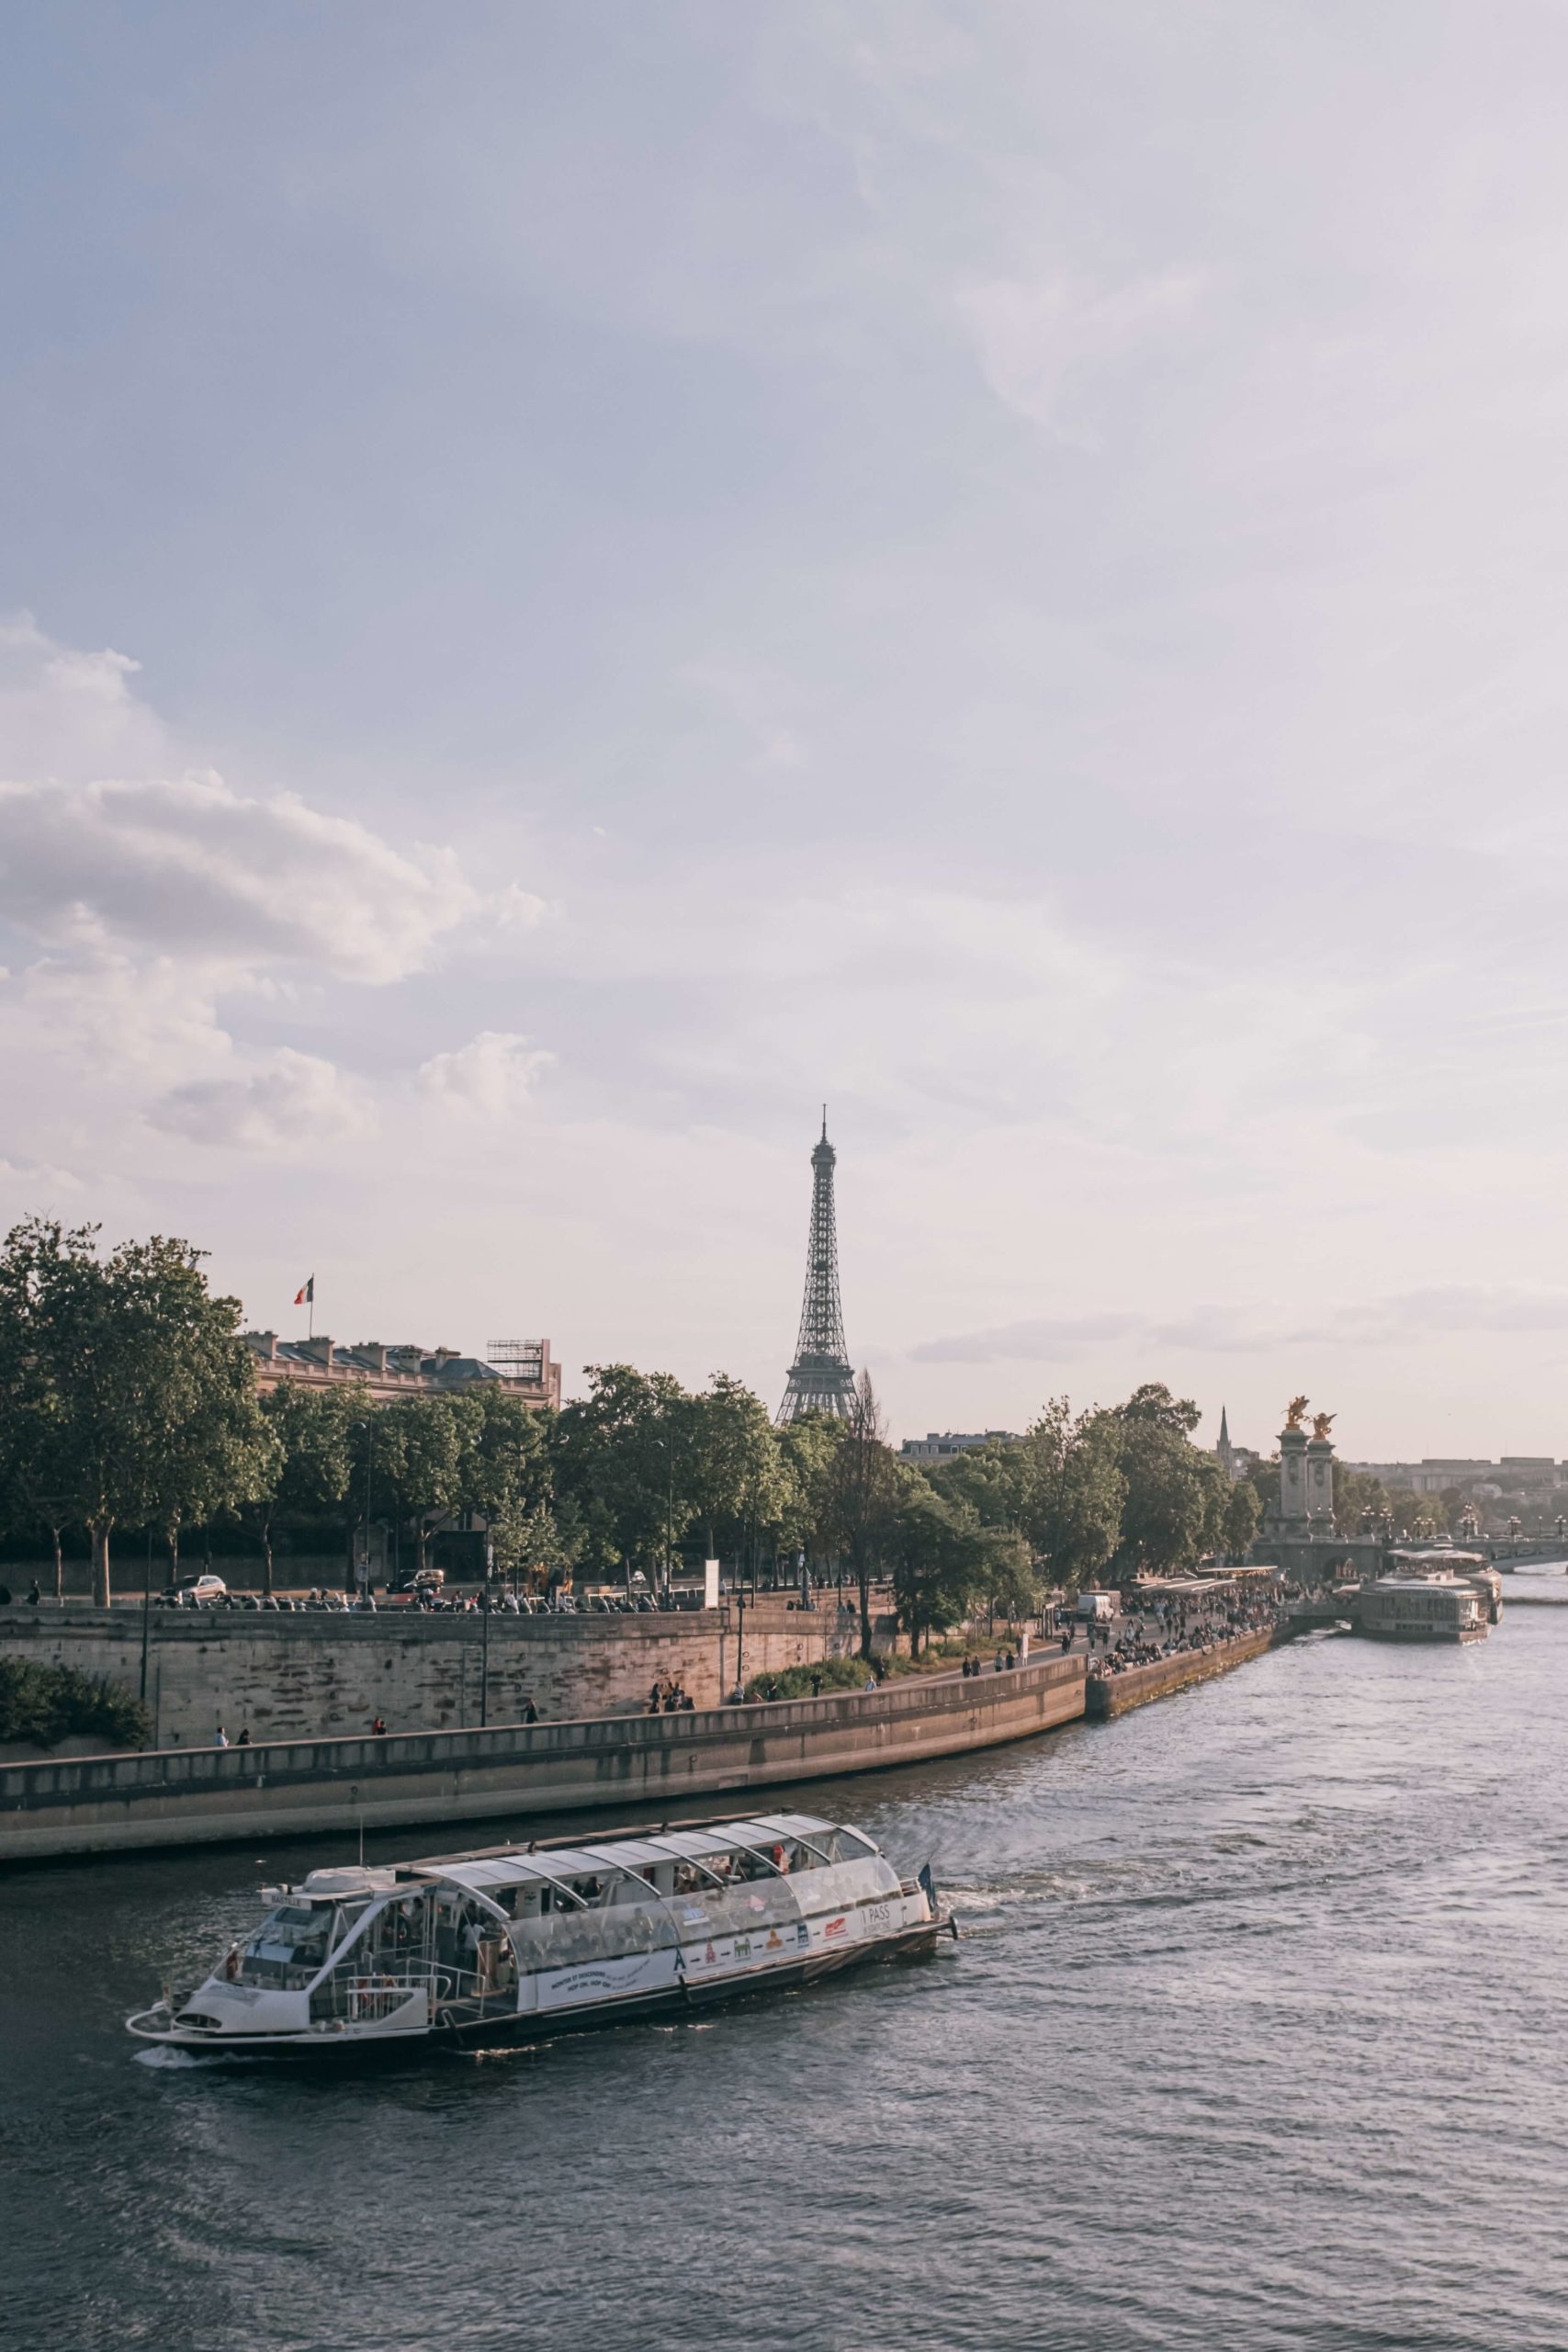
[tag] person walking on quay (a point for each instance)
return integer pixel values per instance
(34, 1596)
(378, 1728)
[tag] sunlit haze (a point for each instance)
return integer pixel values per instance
(580, 581)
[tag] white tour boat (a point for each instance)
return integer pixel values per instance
(481, 1947)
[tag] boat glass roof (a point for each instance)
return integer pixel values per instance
(625, 1853)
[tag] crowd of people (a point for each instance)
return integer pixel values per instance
(670, 1697)
(1171, 1626)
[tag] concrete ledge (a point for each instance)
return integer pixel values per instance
(1115, 1694)
(193, 1796)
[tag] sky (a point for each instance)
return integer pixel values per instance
(578, 581)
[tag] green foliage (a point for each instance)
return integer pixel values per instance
(49, 1703)
(730, 1466)
(1238, 1519)
(795, 1681)
(623, 1457)
(1175, 1498)
(128, 1378)
(416, 1450)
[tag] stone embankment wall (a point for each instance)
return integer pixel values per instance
(1113, 1694)
(624, 1765)
(309, 1676)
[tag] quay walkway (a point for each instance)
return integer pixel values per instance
(193, 1796)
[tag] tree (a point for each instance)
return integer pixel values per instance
(808, 1455)
(936, 1551)
(508, 1474)
(416, 1451)
(733, 1474)
(1058, 1488)
(137, 1374)
(862, 1493)
(311, 1465)
(1238, 1518)
(619, 1457)
(1167, 1516)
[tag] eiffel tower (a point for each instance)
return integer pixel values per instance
(821, 1378)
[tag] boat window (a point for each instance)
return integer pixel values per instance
(628, 1919)
(759, 1903)
(290, 1946)
(867, 1879)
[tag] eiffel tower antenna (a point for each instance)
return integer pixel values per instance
(821, 1378)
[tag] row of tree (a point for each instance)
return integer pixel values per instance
(128, 1399)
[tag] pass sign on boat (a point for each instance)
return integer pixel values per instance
(481, 1947)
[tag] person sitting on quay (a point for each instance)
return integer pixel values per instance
(378, 1728)
(223, 1738)
(245, 1738)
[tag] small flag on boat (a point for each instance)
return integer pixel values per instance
(305, 1296)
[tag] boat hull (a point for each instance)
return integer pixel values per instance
(669, 2004)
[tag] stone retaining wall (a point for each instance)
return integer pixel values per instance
(309, 1676)
(1113, 1694)
(194, 1796)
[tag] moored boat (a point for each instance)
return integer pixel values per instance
(481, 1947)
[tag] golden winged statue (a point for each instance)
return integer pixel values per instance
(1293, 1412)
(1321, 1423)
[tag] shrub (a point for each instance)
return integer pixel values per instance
(795, 1681)
(47, 1703)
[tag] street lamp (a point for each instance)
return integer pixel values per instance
(667, 1448)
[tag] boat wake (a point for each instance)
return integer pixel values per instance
(165, 2055)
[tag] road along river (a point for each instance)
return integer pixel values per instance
(1256, 2038)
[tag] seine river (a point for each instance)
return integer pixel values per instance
(1255, 2039)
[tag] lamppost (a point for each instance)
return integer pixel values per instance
(666, 1447)
(146, 1613)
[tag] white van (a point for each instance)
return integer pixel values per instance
(1095, 1608)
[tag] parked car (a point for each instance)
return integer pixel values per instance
(197, 1592)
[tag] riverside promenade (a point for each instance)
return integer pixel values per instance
(1107, 1695)
(188, 1796)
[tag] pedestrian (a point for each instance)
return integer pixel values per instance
(34, 1596)
(816, 1684)
(223, 1738)
(378, 1728)
(245, 1738)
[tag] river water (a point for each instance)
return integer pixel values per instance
(1255, 2039)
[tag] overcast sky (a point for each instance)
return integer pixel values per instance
(577, 580)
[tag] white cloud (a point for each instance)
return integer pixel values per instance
(492, 1075)
(292, 1103)
(230, 878)
(1393, 1322)
(1032, 334)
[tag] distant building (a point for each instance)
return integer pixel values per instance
(1437, 1474)
(1235, 1461)
(523, 1370)
(937, 1446)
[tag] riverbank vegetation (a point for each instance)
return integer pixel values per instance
(129, 1406)
(45, 1704)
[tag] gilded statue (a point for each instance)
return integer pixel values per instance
(1321, 1423)
(1293, 1412)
